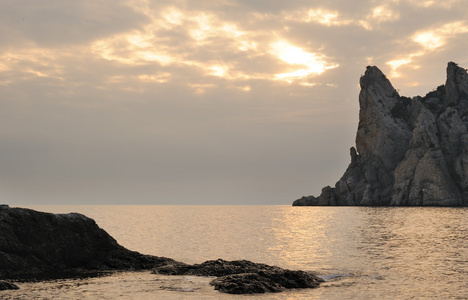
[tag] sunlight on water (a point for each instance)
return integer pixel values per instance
(362, 252)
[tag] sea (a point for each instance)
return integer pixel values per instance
(361, 252)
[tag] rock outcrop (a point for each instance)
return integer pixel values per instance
(35, 245)
(38, 244)
(409, 152)
(244, 277)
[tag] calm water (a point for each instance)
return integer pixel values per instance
(363, 253)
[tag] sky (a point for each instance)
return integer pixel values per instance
(201, 101)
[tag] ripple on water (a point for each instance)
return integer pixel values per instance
(410, 252)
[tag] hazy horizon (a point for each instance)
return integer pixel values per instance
(201, 102)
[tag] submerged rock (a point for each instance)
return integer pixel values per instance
(244, 277)
(408, 151)
(38, 244)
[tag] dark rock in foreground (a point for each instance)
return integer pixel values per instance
(244, 277)
(246, 283)
(265, 281)
(5, 285)
(409, 152)
(38, 244)
(43, 245)
(217, 268)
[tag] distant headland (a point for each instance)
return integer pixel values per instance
(409, 151)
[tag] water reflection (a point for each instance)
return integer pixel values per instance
(303, 237)
(409, 251)
(369, 253)
(423, 249)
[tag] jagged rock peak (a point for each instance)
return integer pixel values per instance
(456, 86)
(408, 151)
(373, 76)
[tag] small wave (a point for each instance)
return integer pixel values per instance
(335, 276)
(331, 277)
(178, 289)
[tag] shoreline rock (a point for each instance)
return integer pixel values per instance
(244, 277)
(409, 151)
(37, 245)
(41, 245)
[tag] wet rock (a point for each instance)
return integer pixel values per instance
(244, 277)
(246, 283)
(5, 285)
(269, 280)
(38, 244)
(217, 267)
(408, 151)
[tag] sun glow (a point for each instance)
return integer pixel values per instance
(384, 14)
(397, 63)
(432, 39)
(317, 15)
(173, 16)
(323, 17)
(218, 70)
(201, 32)
(292, 55)
(163, 59)
(428, 39)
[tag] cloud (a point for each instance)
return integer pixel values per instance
(321, 16)
(315, 64)
(334, 17)
(449, 4)
(437, 37)
(200, 101)
(54, 23)
(198, 35)
(379, 14)
(429, 40)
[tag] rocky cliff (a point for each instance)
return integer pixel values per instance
(409, 152)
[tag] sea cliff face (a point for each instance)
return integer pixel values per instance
(409, 152)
